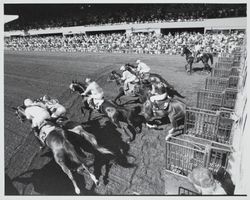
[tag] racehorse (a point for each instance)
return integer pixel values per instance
(55, 137)
(175, 111)
(204, 57)
(140, 90)
(114, 112)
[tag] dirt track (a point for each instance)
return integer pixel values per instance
(33, 74)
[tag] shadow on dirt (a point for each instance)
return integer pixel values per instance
(51, 180)
(108, 137)
(10, 189)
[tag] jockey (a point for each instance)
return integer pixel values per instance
(143, 70)
(96, 95)
(197, 50)
(128, 77)
(54, 107)
(37, 113)
(158, 92)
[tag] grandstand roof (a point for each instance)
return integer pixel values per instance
(9, 18)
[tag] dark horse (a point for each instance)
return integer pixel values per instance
(204, 57)
(114, 112)
(175, 111)
(140, 90)
(63, 151)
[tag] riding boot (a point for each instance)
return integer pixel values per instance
(155, 106)
(91, 103)
(36, 133)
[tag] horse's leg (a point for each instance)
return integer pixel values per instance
(60, 161)
(90, 112)
(191, 64)
(121, 93)
(92, 176)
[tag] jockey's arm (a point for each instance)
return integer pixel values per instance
(123, 76)
(88, 89)
(40, 104)
(153, 89)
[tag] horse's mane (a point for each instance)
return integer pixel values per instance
(80, 83)
(116, 73)
(161, 79)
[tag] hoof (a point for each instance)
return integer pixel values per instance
(151, 126)
(77, 191)
(168, 137)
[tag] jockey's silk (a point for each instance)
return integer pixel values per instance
(128, 75)
(94, 88)
(44, 132)
(37, 115)
(143, 68)
(56, 108)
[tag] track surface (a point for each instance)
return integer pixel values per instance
(33, 74)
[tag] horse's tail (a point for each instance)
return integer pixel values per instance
(172, 92)
(211, 58)
(92, 140)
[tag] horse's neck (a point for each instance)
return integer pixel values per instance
(81, 88)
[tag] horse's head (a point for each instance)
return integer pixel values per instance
(115, 76)
(76, 86)
(19, 112)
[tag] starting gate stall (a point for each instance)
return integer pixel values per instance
(220, 84)
(216, 84)
(210, 125)
(214, 100)
(185, 191)
(225, 73)
(233, 82)
(185, 153)
(229, 98)
(210, 100)
(223, 65)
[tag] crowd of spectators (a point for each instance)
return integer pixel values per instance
(149, 43)
(37, 17)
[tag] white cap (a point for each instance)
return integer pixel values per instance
(87, 80)
(122, 68)
(28, 102)
(46, 97)
(138, 61)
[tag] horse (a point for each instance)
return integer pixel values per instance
(175, 111)
(204, 57)
(55, 137)
(114, 112)
(140, 90)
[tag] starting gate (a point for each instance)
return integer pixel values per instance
(184, 154)
(210, 125)
(220, 84)
(214, 100)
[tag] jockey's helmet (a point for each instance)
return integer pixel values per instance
(88, 80)
(122, 68)
(28, 102)
(138, 61)
(46, 98)
(202, 177)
